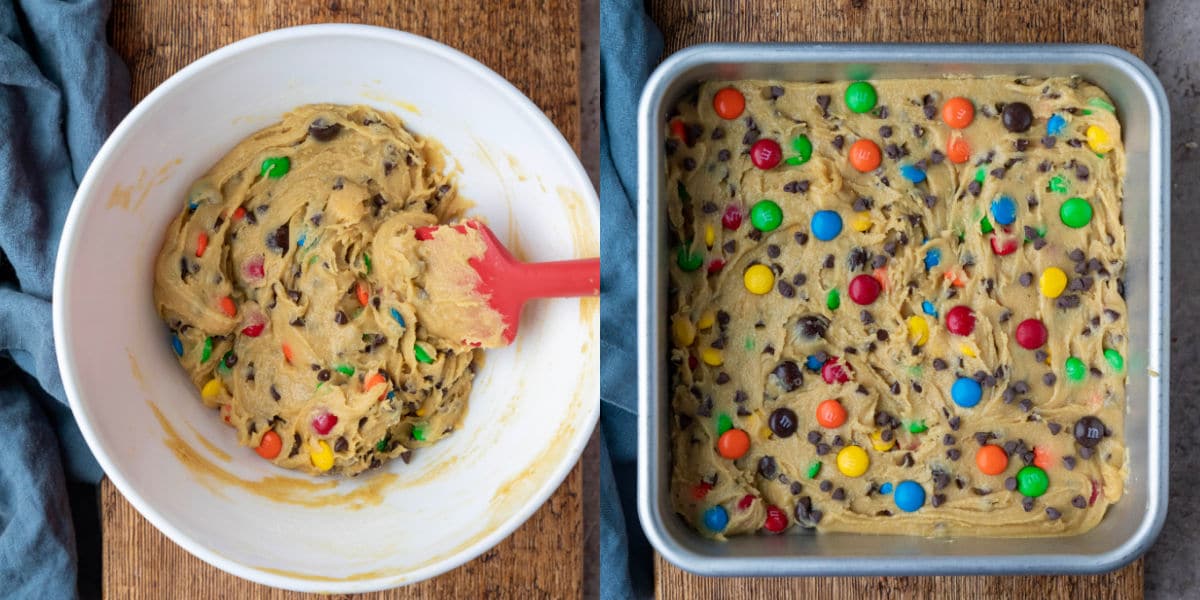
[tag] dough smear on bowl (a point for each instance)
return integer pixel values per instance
(293, 286)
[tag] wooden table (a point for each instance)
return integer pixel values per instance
(687, 22)
(537, 48)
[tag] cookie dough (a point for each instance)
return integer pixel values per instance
(293, 286)
(897, 307)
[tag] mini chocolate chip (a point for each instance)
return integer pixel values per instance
(723, 155)
(823, 102)
(885, 131)
(839, 494)
(1052, 513)
(838, 141)
(826, 485)
(954, 454)
(767, 467)
(340, 318)
(1027, 504)
(938, 500)
(1049, 379)
(1079, 502)
(939, 364)
(822, 449)
(275, 394)
(955, 422)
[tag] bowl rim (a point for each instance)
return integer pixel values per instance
(651, 408)
(69, 248)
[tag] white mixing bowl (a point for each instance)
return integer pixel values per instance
(533, 406)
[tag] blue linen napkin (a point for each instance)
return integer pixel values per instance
(62, 90)
(631, 46)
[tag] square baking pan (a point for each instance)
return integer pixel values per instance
(1130, 525)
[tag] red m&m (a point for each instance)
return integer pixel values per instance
(960, 320)
(1031, 334)
(832, 372)
(777, 521)
(864, 289)
(765, 154)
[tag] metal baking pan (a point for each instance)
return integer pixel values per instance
(1131, 525)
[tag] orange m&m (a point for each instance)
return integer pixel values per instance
(831, 414)
(958, 112)
(729, 103)
(270, 445)
(991, 459)
(958, 150)
(733, 444)
(864, 156)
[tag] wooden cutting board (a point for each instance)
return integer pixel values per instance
(688, 22)
(536, 46)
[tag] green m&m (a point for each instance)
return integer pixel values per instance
(688, 260)
(765, 215)
(276, 167)
(860, 97)
(1032, 481)
(803, 147)
(1115, 360)
(1075, 368)
(724, 423)
(1076, 213)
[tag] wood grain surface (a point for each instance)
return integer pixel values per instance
(536, 46)
(687, 22)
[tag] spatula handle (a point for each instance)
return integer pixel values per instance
(567, 278)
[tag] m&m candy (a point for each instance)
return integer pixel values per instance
(826, 225)
(731, 219)
(1052, 282)
(918, 330)
(765, 154)
(1004, 210)
(733, 444)
(321, 456)
(909, 496)
(860, 97)
(803, 147)
(276, 167)
(831, 414)
(270, 445)
(177, 345)
(766, 215)
(776, 520)
(960, 320)
(912, 173)
(687, 259)
(832, 372)
(716, 519)
(991, 459)
(1075, 369)
(958, 151)
(1055, 124)
(853, 461)
(1098, 139)
(1031, 334)
(864, 155)
(1016, 117)
(958, 112)
(1032, 481)
(1114, 359)
(712, 357)
(1076, 213)
(729, 103)
(864, 289)
(759, 279)
(966, 392)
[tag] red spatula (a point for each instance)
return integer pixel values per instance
(503, 283)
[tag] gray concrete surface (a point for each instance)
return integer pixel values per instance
(1173, 51)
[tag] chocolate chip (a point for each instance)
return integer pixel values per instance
(955, 422)
(940, 480)
(826, 485)
(722, 378)
(839, 494)
(339, 317)
(718, 133)
(1021, 145)
(938, 500)
(279, 239)
(974, 187)
(341, 445)
(814, 437)
(230, 360)
(324, 375)
(892, 151)
(723, 155)
(1085, 453)
(323, 131)
(1010, 484)
(1027, 504)
(823, 102)
(1052, 513)
(838, 141)
(1049, 379)
(828, 264)
(800, 237)
(767, 467)
(954, 454)
(822, 449)
(885, 131)
(275, 394)
(796, 187)
(1079, 502)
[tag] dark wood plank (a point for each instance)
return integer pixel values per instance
(688, 22)
(536, 46)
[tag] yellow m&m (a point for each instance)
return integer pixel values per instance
(853, 461)
(321, 456)
(212, 389)
(1098, 139)
(712, 357)
(1053, 282)
(918, 330)
(683, 331)
(759, 279)
(880, 444)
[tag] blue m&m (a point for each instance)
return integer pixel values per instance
(177, 345)
(910, 496)
(826, 225)
(912, 173)
(885, 488)
(1004, 210)
(1055, 125)
(933, 257)
(966, 392)
(715, 519)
